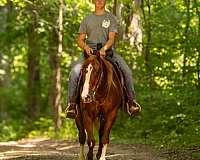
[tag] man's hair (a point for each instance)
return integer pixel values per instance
(93, 1)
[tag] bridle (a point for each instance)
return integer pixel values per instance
(92, 93)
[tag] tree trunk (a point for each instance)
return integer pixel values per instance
(5, 77)
(57, 106)
(54, 78)
(136, 31)
(7, 28)
(117, 11)
(115, 7)
(198, 60)
(127, 19)
(33, 84)
(198, 46)
(55, 51)
(147, 44)
(186, 35)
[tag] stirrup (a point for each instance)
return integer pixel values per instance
(137, 105)
(134, 104)
(71, 111)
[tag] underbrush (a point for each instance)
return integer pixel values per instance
(167, 121)
(43, 127)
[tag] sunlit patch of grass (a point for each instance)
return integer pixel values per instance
(196, 154)
(11, 130)
(44, 127)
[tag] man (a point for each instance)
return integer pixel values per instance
(99, 27)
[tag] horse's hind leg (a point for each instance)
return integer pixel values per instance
(101, 129)
(82, 136)
(88, 125)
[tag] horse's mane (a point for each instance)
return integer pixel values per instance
(109, 70)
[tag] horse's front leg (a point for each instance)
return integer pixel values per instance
(88, 125)
(109, 121)
(98, 155)
(101, 129)
(82, 155)
(82, 135)
(103, 153)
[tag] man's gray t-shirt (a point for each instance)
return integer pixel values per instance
(97, 28)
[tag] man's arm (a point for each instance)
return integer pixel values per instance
(109, 43)
(81, 43)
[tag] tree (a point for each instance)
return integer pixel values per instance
(33, 63)
(7, 28)
(136, 31)
(198, 46)
(55, 51)
(186, 37)
(147, 42)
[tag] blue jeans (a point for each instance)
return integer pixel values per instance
(76, 69)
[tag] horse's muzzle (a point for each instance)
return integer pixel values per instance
(88, 98)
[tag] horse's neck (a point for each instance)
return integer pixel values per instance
(104, 77)
(103, 83)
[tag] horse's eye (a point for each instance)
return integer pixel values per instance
(84, 71)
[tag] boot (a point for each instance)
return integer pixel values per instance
(73, 91)
(71, 111)
(133, 107)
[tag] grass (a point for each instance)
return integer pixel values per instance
(196, 154)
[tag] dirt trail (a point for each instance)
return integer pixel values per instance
(41, 149)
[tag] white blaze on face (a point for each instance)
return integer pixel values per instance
(87, 81)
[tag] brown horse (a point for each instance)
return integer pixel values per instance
(100, 97)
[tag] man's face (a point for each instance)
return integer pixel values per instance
(99, 3)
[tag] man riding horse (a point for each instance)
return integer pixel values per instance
(99, 27)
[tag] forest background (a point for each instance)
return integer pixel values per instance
(159, 39)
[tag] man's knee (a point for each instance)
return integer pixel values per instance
(123, 66)
(76, 69)
(128, 71)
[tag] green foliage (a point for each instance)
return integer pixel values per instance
(2, 2)
(12, 130)
(44, 128)
(166, 121)
(196, 154)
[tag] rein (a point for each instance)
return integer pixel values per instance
(99, 83)
(99, 80)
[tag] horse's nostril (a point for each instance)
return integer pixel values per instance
(87, 99)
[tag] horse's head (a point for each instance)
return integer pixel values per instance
(91, 74)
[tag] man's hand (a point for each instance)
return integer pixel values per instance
(81, 43)
(88, 50)
(102, 52)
